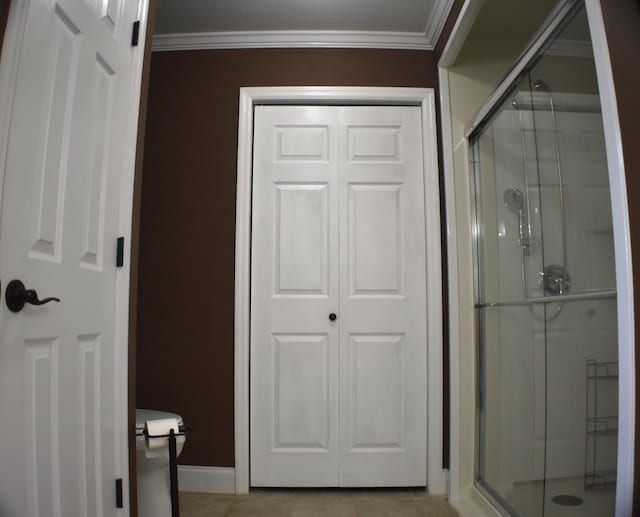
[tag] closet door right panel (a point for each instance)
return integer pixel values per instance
(383, 366)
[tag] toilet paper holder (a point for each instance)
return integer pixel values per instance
(183, 430)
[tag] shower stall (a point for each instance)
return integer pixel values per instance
(545, 293)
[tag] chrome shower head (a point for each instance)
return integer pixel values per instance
(514, 199)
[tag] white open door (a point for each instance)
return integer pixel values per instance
(66, 198)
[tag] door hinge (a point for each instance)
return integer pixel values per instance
(119, 502)
(120, 252)
(135, 33)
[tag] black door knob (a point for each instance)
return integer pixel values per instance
(333, 316)
(17, 295)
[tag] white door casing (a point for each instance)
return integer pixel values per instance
(71, 85)
(424, 98)
(338, 227)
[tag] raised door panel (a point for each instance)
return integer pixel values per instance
(89, 351)
(301, 403)
(43, 489)
(374, 143)
(52, 148)
(375, 240)
(377, 398)
(103, 81)
(110, 12)
(302, 143)
(301, 225)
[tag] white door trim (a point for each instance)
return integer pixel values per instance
(461, 358)
(423, 97)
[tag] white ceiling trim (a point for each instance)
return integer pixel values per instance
(437, 20)
(297, 39)
(309, 39)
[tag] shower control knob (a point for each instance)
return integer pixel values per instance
(333, 316)
(555, 280)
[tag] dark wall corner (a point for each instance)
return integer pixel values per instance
(448, 27)
(4, 18)
(446, 420)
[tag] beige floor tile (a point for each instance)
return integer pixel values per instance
(387, 507)
(326, 508)
(194, 504)
(434, 506)
(312, 512)
(316, 503)
(336, 495)
(267, 506)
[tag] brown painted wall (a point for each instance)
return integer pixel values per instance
(186, 272)
(622, 23)
(448, 27)
(4, 16)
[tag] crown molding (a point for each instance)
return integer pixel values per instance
(436, 22)
(309, 39)
(291, 39)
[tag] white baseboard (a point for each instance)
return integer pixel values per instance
(192, 478)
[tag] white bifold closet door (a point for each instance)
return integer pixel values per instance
(338, 229)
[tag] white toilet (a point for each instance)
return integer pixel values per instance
(154, 493)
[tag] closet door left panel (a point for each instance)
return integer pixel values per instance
(294, 269)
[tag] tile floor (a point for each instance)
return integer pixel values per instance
(316, 503)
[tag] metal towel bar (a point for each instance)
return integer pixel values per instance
(587, 295)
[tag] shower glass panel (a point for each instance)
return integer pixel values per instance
(547, 323)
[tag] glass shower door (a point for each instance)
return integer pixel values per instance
(511, 334)
(578, 254)
(546, 306)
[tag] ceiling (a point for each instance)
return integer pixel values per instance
(191, 24)
(503, 28)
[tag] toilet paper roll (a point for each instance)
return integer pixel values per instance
(159, 427)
